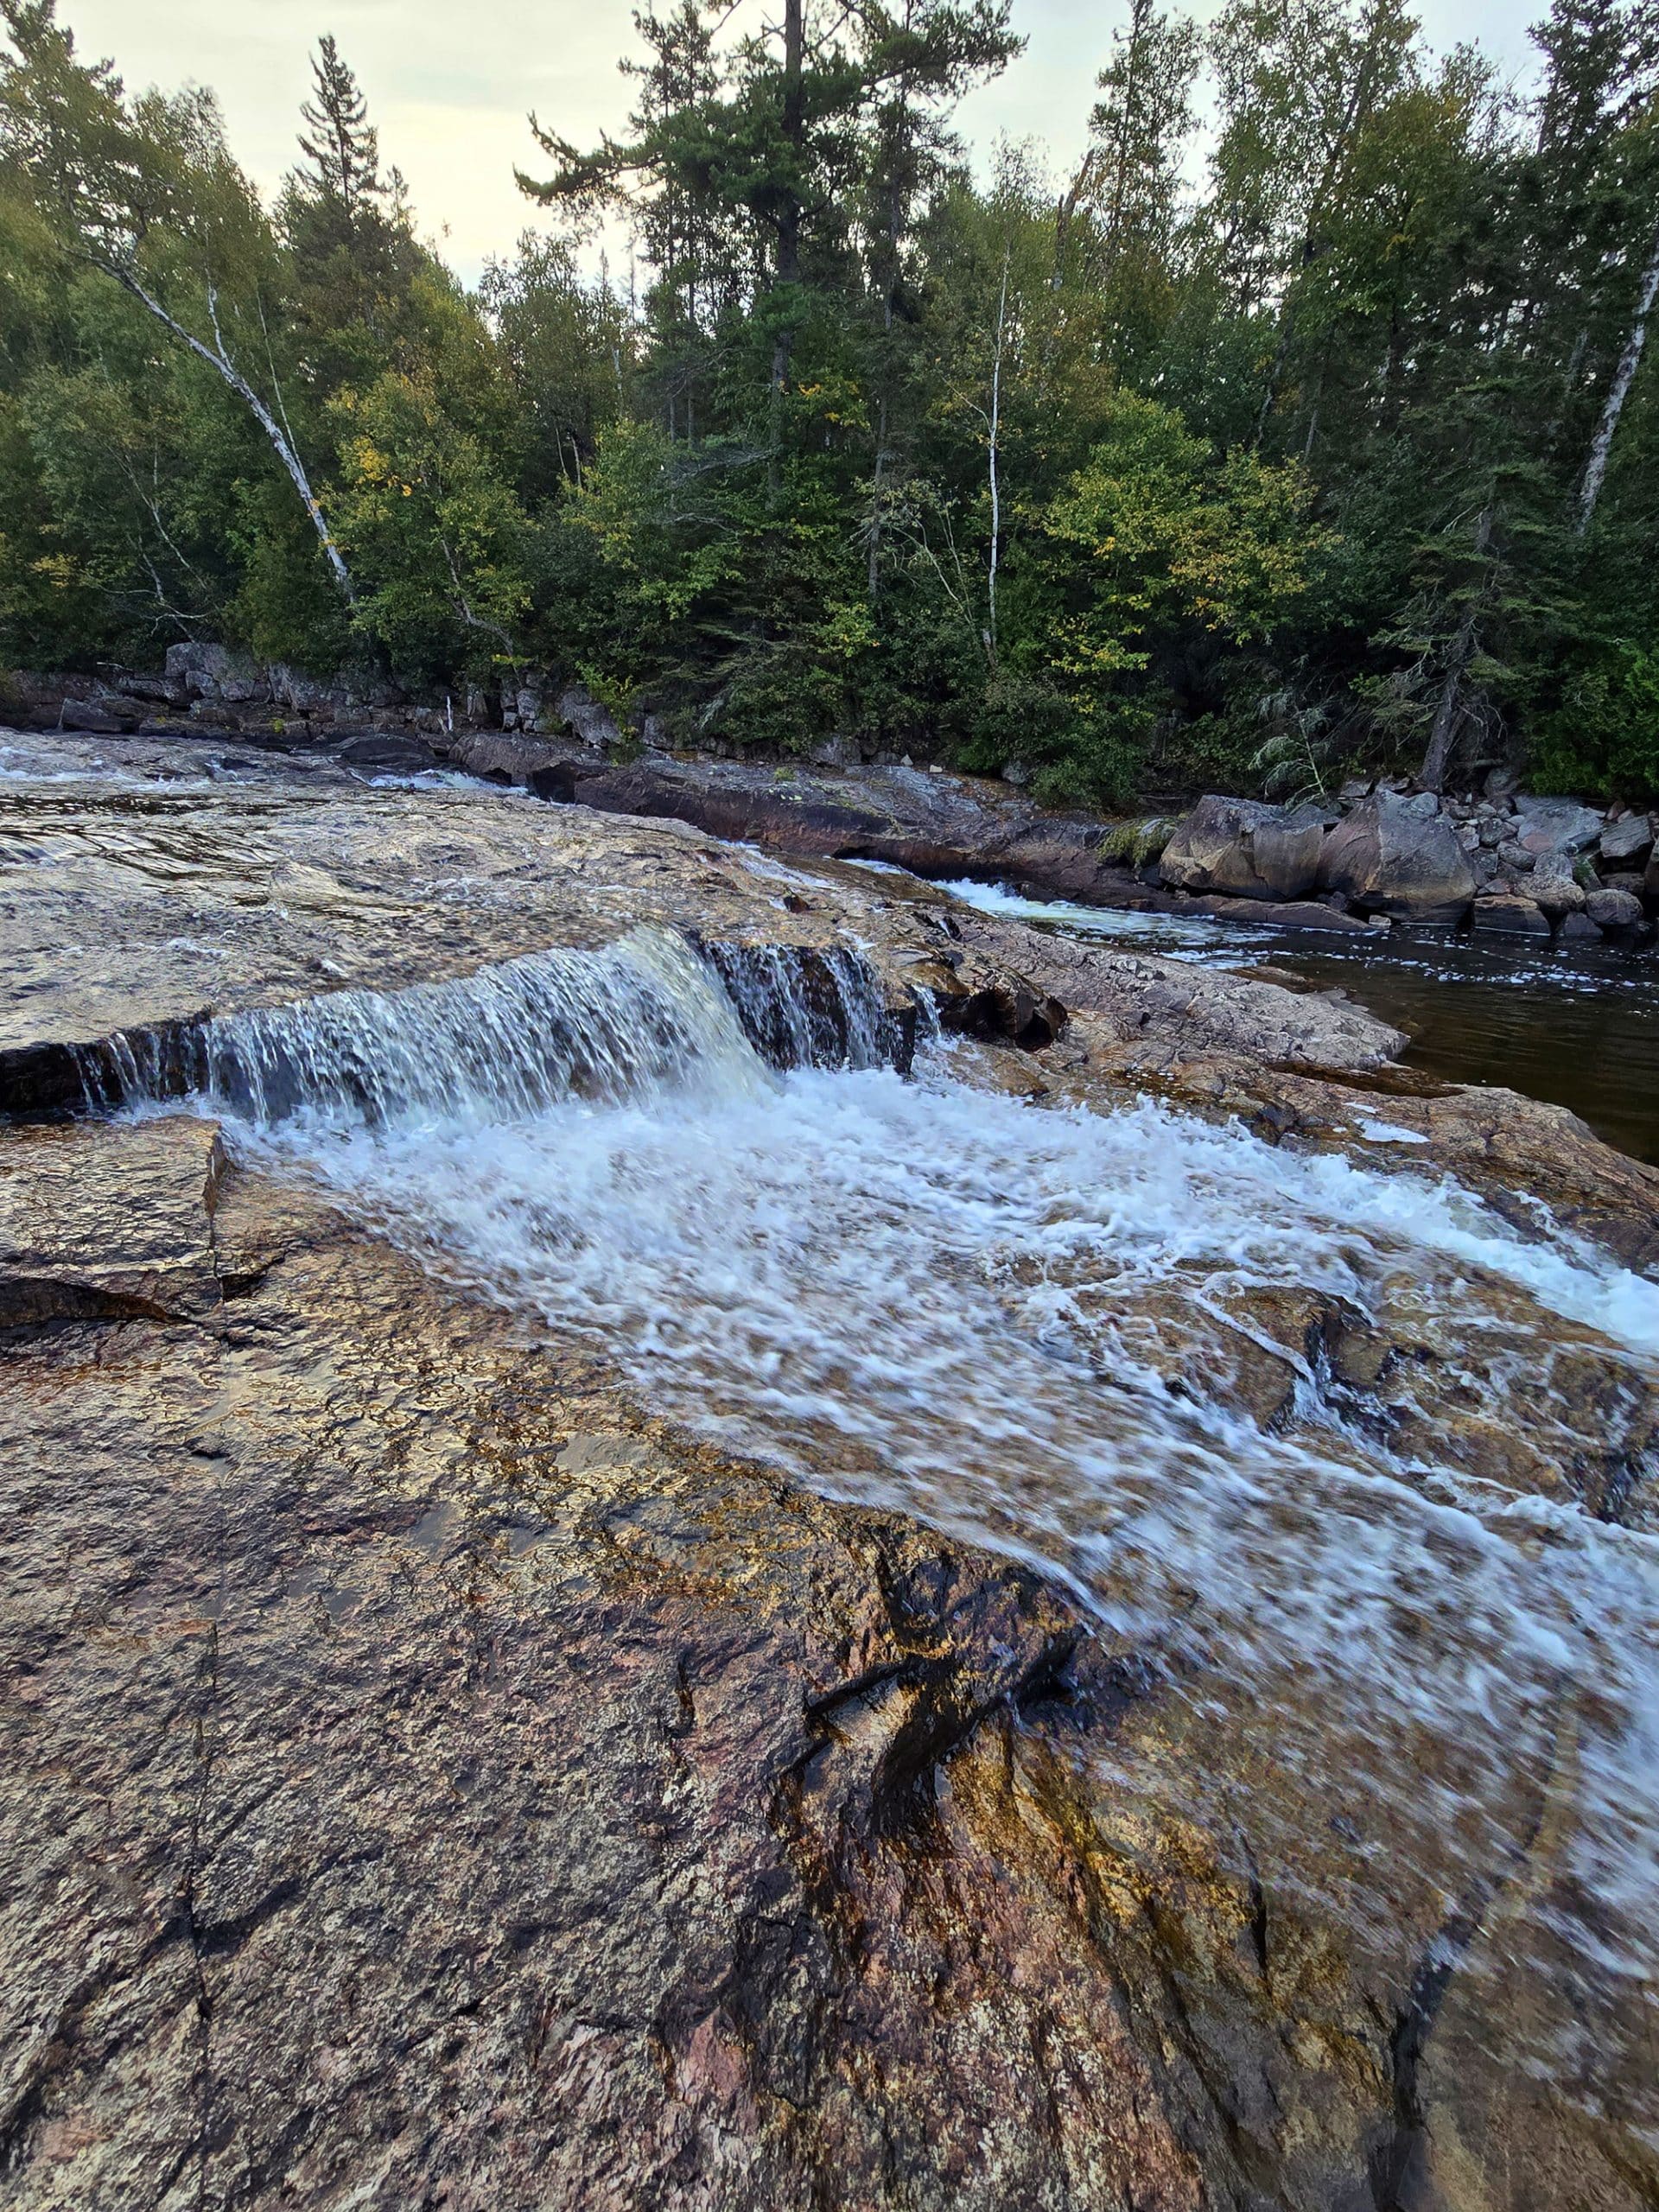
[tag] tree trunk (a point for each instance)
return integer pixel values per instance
(788, 219)
(218, 359)
(1355, 116)
(875, 508)
(1448, 715)
(894, 229)
(1618, 391)
(995, 426)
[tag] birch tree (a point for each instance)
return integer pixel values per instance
(1618, 391)
(146, 193)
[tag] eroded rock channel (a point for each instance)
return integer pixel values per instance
(687, 1529)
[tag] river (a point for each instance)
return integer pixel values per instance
(1051, 1333)
(1579, 1029)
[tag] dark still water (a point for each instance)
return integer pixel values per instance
(1581, 1030)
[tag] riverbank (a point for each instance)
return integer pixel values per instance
(1500, 862)
(614, 1600)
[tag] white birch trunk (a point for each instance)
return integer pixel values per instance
(1618, 391)
(997, 418)
(218, 359)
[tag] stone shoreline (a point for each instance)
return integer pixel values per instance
(1507, 864)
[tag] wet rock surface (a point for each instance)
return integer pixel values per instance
(173, 896)
(433, 1780)
(938, 824)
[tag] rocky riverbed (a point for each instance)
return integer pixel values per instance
(688, 1528)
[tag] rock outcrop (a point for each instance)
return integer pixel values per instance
(1245, 849)
(1527, 864)
(431, 1779)
(549, 735)
(937, 824)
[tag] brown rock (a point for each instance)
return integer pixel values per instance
(1244, 849)
(1554, 887)
(1392, 859)
(938, 824)
(1613, 910)
(431, 1780)
(1167, 1010)
(1508, 916)
(1292, 914)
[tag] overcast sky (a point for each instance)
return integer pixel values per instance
(449, 81)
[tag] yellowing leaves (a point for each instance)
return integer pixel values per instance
(1166, 534)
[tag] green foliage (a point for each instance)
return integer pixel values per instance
(1121, 485)
(444, 553)
(1603, 737)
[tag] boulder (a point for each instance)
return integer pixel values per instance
(87, 714)
(1392, 859)
(1556, 825)
(156, 689)
(1244, 849)
(1287, 852)
(301, 694)
(836, 753)
(1554, 887)
(1630, 840)
(389, 751)
(582, 714)
(199, 672)
(1292, 914)
(1578, 929)
(1613, 910)
(1504, 916)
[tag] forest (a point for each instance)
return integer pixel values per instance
(1307, 425)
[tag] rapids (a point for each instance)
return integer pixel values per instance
(1042, 1329)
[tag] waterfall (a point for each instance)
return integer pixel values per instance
(644, 1014)
(1097, 1342)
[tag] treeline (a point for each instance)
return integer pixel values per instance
(1348, 453)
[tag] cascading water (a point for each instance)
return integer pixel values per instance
(1044, 1330)
(634, 1019)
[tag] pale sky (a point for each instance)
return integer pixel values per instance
(449, 85)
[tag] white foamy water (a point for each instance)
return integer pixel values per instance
(1042, 1330)
(1177, 937)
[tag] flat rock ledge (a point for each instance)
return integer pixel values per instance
(430, 1781)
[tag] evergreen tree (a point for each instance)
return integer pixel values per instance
(1360, 428)
(340, 168)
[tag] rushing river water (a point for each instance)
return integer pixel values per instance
(1045, 1330)
(1579, 1029)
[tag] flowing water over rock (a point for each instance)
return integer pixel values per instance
(1061, 1333)
(640, 1576)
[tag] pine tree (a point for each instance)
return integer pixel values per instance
(1139, 129)
(340, 173)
